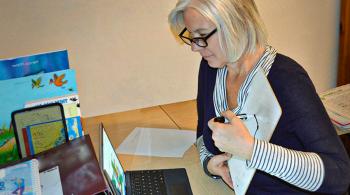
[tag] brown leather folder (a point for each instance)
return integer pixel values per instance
(79, 169)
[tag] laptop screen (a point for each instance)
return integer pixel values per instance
(111, 164)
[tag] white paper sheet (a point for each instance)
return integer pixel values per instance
(337, 103)
(50, 182)
(262, 102)
(338, 100)
(157, 142)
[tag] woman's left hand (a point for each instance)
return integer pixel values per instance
(233, 137)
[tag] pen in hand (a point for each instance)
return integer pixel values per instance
(221, 119)
(245, 116)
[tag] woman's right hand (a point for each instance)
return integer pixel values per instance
(217, 165)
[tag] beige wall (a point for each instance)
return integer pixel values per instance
(306, 30)
(126, 58)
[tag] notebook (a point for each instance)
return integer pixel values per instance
(39, 128)
(160, 181)
(50, 181)
(22, 178)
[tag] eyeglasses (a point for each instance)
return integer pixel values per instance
(200, 41)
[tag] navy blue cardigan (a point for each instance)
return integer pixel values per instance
(303, 126)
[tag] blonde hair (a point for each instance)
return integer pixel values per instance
(238, 22)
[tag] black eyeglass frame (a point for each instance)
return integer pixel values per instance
(196, 39)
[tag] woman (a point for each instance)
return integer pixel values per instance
(304, 154)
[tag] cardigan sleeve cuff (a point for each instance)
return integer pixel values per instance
(253, 160)
(205, 168)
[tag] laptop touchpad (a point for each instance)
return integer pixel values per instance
(176, 181)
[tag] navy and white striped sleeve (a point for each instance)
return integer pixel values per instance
(302, 169)
(202, 150)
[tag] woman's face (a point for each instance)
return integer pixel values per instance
(199, 26)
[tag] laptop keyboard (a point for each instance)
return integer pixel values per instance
(150, 182)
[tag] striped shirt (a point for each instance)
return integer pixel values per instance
(302, 169)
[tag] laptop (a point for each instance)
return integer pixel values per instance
(160, 181)
(39, 128)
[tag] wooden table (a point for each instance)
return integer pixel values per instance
(176, 116)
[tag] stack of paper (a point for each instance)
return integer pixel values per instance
(337, 103)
